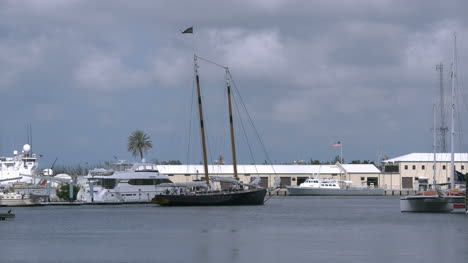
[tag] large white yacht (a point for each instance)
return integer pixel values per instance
(124, 183)
(319, 186)
(13, 168)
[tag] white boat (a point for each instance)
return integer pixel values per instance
(319, 186)
(124, 183)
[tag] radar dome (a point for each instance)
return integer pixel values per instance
(27, 148)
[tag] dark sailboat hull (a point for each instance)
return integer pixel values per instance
(247, 197)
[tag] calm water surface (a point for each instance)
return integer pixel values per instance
(285, 229)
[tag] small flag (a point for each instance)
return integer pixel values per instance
(188, 30)
(336, 144)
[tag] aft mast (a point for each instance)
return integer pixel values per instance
(434, 146)
(231, 125)
(202, 128)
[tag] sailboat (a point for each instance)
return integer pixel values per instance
(436, 200)
(202, 193)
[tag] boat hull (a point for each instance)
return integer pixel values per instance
(432, 204)
(19, 202)
(298, 191)
(428, 204)
(247, 197)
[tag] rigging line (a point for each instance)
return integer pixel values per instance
(245, 134)
(251, 122)
(214, 63)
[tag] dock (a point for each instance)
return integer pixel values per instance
(387, 192)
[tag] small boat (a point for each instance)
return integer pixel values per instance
(206, 194)
(8, 215)
(332, 187)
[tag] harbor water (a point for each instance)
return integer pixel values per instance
(285, 229)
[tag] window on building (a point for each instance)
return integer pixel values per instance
(463, 167)
(443, 167)
(363, 179)
(414, 167)
(406, 167)
(423, 167)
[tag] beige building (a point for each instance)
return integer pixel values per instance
(359, 174)
(405, 172)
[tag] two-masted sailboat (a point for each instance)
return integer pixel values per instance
(202, 193)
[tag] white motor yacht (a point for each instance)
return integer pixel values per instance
(319, 186)
(124, 183)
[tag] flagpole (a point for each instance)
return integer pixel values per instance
(341, 153)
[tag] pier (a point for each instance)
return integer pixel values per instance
(387, 192)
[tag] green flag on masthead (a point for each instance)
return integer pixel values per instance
(188, 30)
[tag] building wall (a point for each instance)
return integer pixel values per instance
(414, 170)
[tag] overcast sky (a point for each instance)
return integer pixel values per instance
(85, 74)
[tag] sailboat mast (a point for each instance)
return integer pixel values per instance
(231, 125)
(202, 128)
(452, 133)
(434, 145)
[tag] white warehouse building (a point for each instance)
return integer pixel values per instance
(405, 171)
(289, 174)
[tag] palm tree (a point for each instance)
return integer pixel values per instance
(139, 143)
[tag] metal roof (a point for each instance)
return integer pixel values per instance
(428, 157)
(268, 169)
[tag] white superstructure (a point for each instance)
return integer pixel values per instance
(320, 183)
(124, 183)
(12, 168)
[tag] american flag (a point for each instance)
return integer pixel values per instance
(336, 144)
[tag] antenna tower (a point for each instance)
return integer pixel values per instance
(443, 129)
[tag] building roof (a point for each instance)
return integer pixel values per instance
(269, 169)
(429, 157)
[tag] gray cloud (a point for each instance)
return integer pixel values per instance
(87, 73)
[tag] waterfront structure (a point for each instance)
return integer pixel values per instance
(405, 172)
(359, 174)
